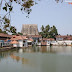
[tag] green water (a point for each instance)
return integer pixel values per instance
(37, 59)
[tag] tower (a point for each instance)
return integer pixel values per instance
(29, 29)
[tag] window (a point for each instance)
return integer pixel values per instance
(29, 43)
(23, 44)
(23, 41)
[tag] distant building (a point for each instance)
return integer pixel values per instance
(29, 29)
(5, 36)
(19, 41)
(63, 37)
(64, 40)
(36, 38)
(4, 39)
(47, 41)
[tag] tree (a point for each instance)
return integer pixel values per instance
(53, 32)
(42, 28)
(7, 6)
(3, 31)
(20, 33)
(48, 32)
(47, 28)
(59, 0)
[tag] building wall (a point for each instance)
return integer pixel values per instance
(25, 43)
(39, 43)
(20, 43)
(29, 29)
(59, 39)
(51, 42)
(15, 45)
(68, 42)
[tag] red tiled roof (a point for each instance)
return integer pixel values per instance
(30, 39)
(15, 37)
(24, 37)
(62, 36)
(5, 35)
(68, 38)
(50, 39)
(34, 36)
(43, 43)
(65, 37)
(14, 42)
(59, 36)
(44, 39)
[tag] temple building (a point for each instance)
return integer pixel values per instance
(29, 29)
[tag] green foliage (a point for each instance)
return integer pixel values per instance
(14, 34)
(7, 21)
(7, 6)
(58, 1)
(42, 28)
(13, 29)
(48, 32)
(6, 26)
(47, 28)
(20, 33)
(17, 33)
(3, 31)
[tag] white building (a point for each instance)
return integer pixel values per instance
(46, 41)
(36, 38)
(64, 40)
(19, 41)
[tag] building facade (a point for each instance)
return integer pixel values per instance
(64, 40)
(29, 29)
(4, 39)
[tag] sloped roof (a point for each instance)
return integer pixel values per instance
(5, 35)
(14, 42)
(30, 39)
(50, 39)
(19, 37)
(24, 37)
(65, 37)
(61, 36)
(36, 36)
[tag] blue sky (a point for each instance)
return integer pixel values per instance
(46, 12)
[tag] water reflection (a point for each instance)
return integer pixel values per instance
(4, 55)
(37, 59)
(47, 49)
(40, 49)
(55, 49)
(18, 58)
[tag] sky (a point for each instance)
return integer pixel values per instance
(44, 13)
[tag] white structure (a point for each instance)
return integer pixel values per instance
(64, 40)
(46, 42)
(14, 43)
(36, 38)
(21, 41)
(30, 42)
